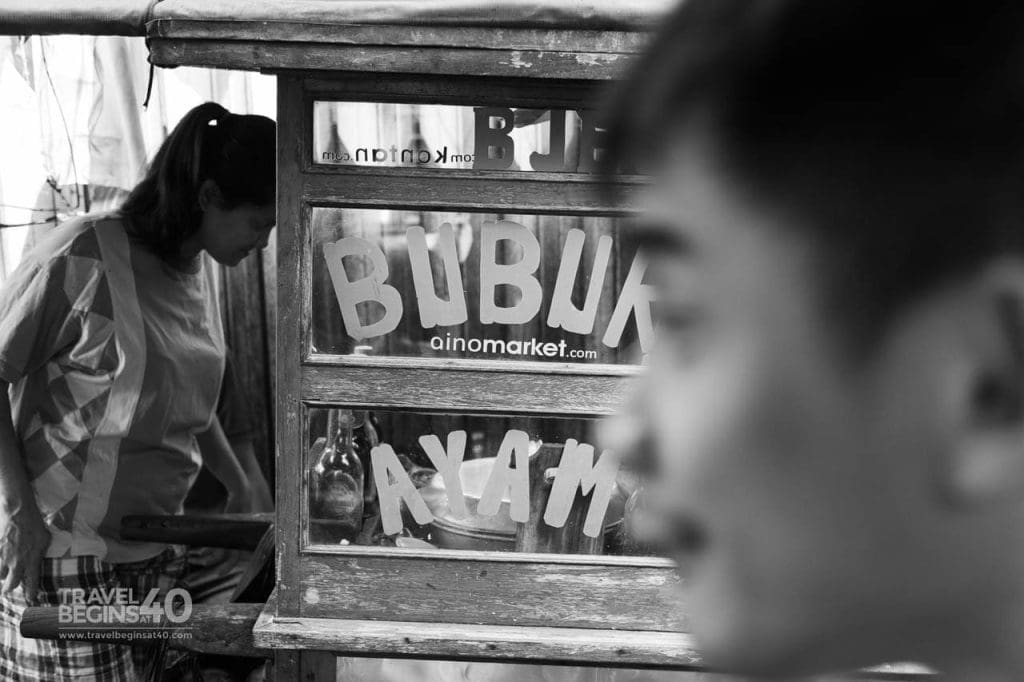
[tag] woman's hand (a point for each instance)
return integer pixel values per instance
(23, 542)
(240, 499)
(222, 462)
(234, 465)
(262, 498)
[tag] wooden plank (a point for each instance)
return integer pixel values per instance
(289, 350)
(513, 644)
(229, 531)
(288, 635)
(467, 90)
(305, 299)
(465, 391)
(223, 629)
(269, 265)
(473, 365)
(412, 188)
(281, 56)
(499, 643)
(452, 37)
(247, 335)
(491, 592)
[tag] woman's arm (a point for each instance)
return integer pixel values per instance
(262, 498)
(236, 422)
(222, 462)
(23, 534)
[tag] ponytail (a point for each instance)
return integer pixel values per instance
(236, 151)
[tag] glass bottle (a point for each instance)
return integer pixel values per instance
(367, 437)
(367, 434)
(336, 481)
(418, 144)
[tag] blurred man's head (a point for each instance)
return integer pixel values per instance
(835, 409)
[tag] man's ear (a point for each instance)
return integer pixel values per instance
(986, 464)
(209, 195)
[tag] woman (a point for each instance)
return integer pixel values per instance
(111, 360)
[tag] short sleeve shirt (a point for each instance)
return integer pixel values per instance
(115, 361)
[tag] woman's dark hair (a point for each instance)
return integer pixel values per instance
(236, 151)
(892, 131)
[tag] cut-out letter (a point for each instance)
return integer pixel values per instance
(434, 311)
(635, 296)
(393, 486)
(577, 470)
(448, 465)
(592, 142)
(498, 139)
(554, 160)
(370, 288)
(563, 313)
(503, 477)
(519, 275)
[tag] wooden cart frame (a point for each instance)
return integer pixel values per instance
(419, 592)
(371, 601)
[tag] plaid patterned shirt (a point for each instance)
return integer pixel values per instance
(115, 361)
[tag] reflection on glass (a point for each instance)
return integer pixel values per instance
(467, 482)
(455, 137)
(544, 288)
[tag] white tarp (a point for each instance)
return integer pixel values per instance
(72, 113)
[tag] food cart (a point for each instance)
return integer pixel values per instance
(439, 224)
(458, 301)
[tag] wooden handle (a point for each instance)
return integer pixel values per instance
(228, 531)
(223, 629)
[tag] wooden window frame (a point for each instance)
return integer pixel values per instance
(443, 588)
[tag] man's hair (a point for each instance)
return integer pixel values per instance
(891, 131)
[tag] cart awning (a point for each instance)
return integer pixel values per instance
(565, 39)
(558, 39)
(600, 15)
(285, 19)
(95, 17)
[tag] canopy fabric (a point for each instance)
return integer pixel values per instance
(597, 15)
(552, 39)
(130, 17)
(75, 136)
(95, 17)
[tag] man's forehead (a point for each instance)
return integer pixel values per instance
(697, 207)
(698, 223)
(683, 204)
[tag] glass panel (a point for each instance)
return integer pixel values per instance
(455, 137)
(477, 285)
(453, 481)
